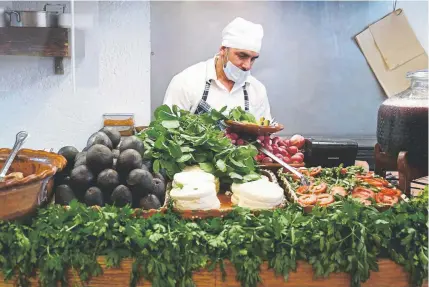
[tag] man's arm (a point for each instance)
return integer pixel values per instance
(176, 94)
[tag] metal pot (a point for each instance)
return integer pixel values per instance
(31, 18)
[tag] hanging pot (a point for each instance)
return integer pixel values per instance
(31, 18)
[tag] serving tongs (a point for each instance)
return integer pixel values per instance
(20, 139)
(302, 178)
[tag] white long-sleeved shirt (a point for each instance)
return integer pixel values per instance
(186, 90)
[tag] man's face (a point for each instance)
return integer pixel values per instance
(243, 59)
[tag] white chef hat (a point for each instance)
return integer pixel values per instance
(242, 34)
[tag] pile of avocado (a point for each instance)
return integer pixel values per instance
(109, 170)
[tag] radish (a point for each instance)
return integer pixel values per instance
(240, 142)
(233, 136)
(286, 143)
(279, 155)
(276, 149)
(260, 139)
(233, 141)
(297, 140)
(300, 154)
(292, 150)
(296, 158)
(267, 160)
(276, 140)
(287, 159)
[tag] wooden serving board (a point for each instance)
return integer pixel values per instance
(390, 274)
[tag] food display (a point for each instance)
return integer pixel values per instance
(110, 170)
(331, 184)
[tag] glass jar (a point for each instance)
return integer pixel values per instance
(402, 123)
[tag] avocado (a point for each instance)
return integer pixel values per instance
(159, 176)
(150, 202)
(69, 153)
(121, 196)
(99, 138)
(93, 196)
(81, 179)
(64, 194)
(132, 142)
(107, 181)
(115, 153)
(159, 189)
(80, 159)
(144, 167)
(114, 135)
(99, 158)
(127, 161)
(149, 164)
(140, 182)
(62, 177)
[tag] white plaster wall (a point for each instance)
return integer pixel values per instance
(113, 76)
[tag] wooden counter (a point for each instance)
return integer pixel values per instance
(390, 275)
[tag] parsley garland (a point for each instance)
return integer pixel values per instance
(345, 237)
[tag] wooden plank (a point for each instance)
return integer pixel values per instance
(34, 41)
(390, 274)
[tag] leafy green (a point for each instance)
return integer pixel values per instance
(239, 115)
(344, 237)
(176, 139)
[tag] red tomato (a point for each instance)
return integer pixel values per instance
(338, 190)
(361, 192)
(386, 199)
(320, 188)
(315, 171)
(325, 199)
(307, 199)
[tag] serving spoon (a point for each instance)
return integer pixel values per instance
(20, 139)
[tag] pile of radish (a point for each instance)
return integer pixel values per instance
(286, 149)
(289, 150)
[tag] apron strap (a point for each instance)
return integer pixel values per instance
(246, 99)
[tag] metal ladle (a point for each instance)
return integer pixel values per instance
(20, 139)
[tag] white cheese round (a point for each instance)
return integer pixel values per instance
(257, 194)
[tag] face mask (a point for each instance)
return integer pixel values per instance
(235, 74)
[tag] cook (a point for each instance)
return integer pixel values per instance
(224, 80)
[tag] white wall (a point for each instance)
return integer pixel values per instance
(112, 77)
(417, 15)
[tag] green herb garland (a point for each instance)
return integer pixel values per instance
(346, 237)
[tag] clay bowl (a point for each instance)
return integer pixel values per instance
(252, 129)
(21, 197)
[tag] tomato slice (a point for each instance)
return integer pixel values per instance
(302, 190)
(391, 191)
(344, 171)
(307, 199)
(361, 192)
(373, 182)
(386, 199)
(315, 171)
(338, 190)
(325, 199)
(320, 188)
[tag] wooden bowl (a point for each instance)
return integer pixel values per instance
(253, 129)
(21, 197)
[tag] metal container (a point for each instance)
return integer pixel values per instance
(31, 18)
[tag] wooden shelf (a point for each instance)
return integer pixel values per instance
(36, 41)
(390, 274)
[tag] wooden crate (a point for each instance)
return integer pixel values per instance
(390, 275)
